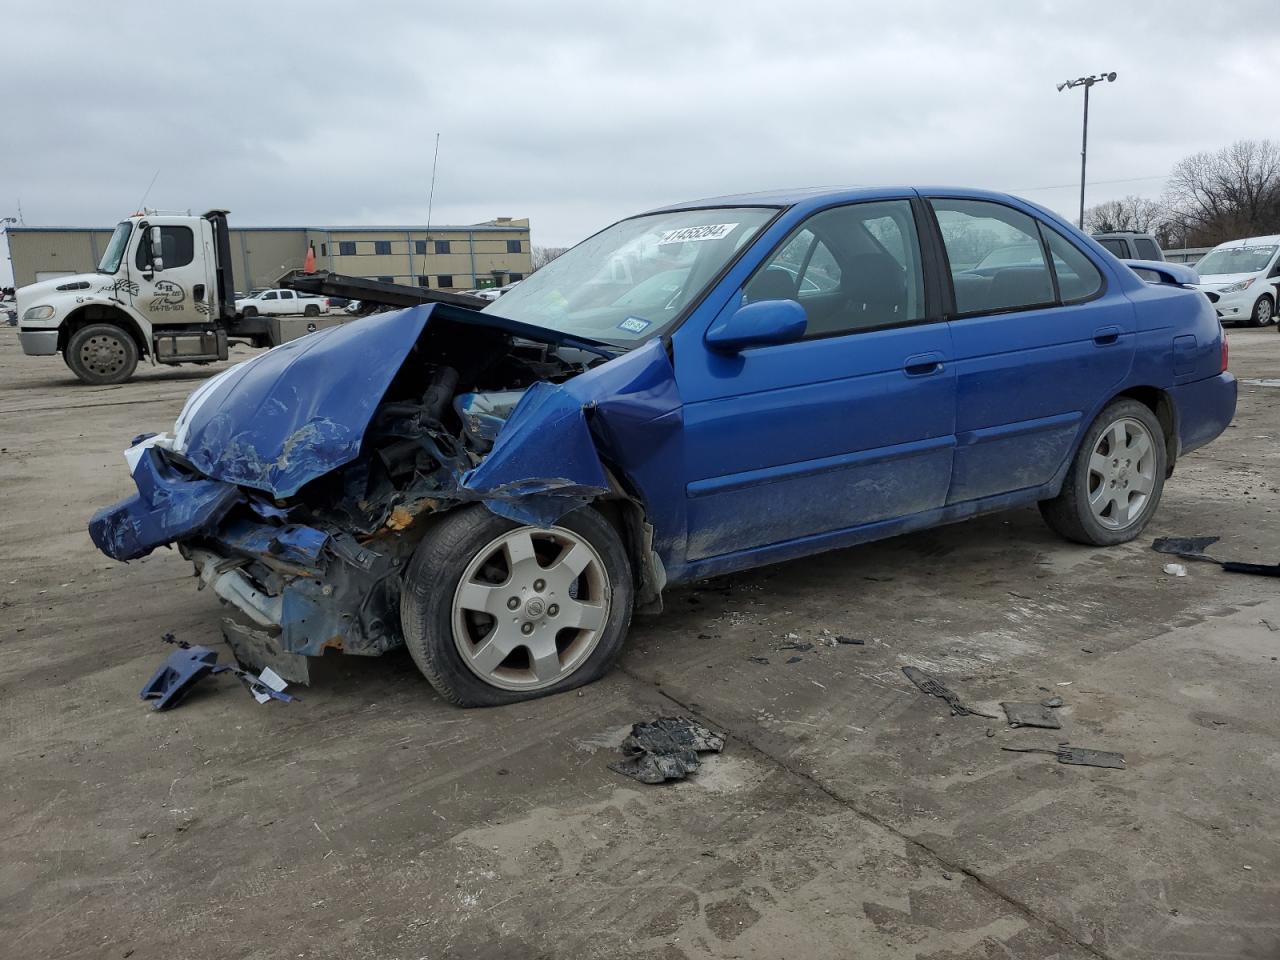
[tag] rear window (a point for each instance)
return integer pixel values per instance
(1078, 278)
(1147, 250)
(1118, 247)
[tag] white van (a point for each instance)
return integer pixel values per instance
(1240, 278)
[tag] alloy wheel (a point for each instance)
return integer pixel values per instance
(530, 608)
(1121, 473)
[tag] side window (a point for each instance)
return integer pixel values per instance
(286, 294)
(1078, 278)
(852, 268)
(177, 246)
(269, 295)
(1117, 247)
(1146, 249)
(997, 262)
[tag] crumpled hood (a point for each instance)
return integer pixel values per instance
(301, 410)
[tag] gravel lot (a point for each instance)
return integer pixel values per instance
(849, 814)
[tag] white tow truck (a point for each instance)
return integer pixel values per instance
(164, 290)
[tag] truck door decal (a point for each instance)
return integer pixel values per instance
(169, 296)
(123, 286)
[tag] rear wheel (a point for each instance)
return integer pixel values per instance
(496, 612)
(311, 310)
(101, 353)
(1263, 312)
(1115, 481)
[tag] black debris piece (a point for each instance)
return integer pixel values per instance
(665, 749)
(1030, 714)
(1053, 702)
(1269, 625)
(758, 659)
(850, 641)
(802, 647)
(794, 659)
(935, 688)
(1077, 756)
(1192, 548)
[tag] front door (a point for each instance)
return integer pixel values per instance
(1036, 348)
(851, 425)
(170, 295)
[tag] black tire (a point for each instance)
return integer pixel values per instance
(1070, 515)
(1264, 311)
(431, 582)
(311, 310)
(250, 312)
(101, 353)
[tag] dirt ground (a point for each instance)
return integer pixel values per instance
(849, 815)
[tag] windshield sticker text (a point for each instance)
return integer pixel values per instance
(712, 231)
(633, 324)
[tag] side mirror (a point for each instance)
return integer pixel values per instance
(157, 247)
(759, 323)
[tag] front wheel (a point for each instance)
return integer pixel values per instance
(1263, 312)
(496, 612)
(101, 353)
(1116, 478)
(249, 312)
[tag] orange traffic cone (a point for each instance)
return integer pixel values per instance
(309, 265)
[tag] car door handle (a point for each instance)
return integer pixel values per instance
(922, 364)
(1105, 336)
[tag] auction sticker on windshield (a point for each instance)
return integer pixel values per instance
(633, 324)
(712, 231)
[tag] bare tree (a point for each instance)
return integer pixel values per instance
(544, 255)
(1138, 214)
(1231, 193)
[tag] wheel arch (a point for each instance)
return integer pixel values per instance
(1160, 403)
(92, 313)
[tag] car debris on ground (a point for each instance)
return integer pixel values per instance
(1193, 548)
(1077, 756)
(1175, 569)
(665, 749)
(935, 688)
(1033, 714)
(191, 663)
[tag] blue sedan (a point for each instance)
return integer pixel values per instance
(697, 390)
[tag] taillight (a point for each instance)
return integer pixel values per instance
(1224, 351)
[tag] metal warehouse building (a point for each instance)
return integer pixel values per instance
(444, 257)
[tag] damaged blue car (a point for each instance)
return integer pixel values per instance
(697, 390)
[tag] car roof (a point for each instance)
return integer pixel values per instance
(818, 196)
(1252, 241)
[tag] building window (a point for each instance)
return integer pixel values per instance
(382, 248)
(442, 246)
(444, 280)
(324, 249)
(513, 246)
(513, 277)
(424, 281)
(420, 248)
(346, 248)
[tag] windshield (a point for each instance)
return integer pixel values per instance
(110, 262)
(1235, 260)
(628, 282)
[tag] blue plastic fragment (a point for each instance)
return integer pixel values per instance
(181, 671)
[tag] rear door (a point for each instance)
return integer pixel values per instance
(849, 426)
(1036, 349)
(287, 302)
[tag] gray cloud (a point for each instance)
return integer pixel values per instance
(577, 113)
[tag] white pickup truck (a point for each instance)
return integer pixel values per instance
(282, 303)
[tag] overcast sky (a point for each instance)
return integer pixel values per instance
(577, 113)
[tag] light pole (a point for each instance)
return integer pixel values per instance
(1085, 82)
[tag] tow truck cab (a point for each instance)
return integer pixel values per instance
(162, 290)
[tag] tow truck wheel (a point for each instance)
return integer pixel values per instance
(101, 353)
(311, 310)
(496, 612)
